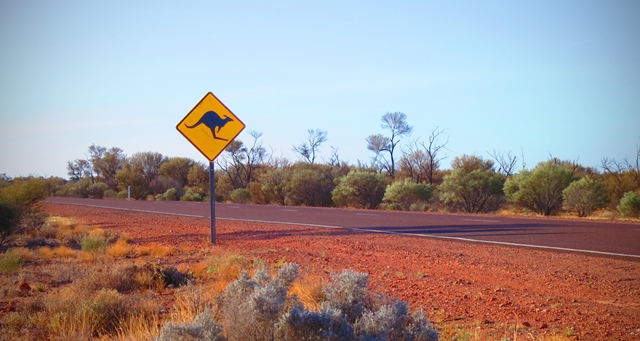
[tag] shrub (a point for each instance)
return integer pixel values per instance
(97, 190)
(539, 190)
(190, 195)
(310, 185)
(584, 196)
(106, 309)
(11, 261)
(203, 327)
(360, 189)
(93, 243)
(110, 194)
(479, 190)
(17, 207)
(274, 182)
(250, 306)
(8, 221)
(402, 194)
(172, 194)
(630, 205)
(240, 196)
(259, 307)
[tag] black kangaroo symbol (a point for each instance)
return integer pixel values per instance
(214, 122)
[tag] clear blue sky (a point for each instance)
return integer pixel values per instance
(542, 77)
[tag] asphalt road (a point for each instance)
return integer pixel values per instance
(604, 238)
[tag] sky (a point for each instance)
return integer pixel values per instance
(534, 78)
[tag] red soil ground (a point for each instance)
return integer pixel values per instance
(471, 290)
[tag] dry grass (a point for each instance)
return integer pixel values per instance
(64, 252)
(309, 291)
(120, 248)
(155, 249)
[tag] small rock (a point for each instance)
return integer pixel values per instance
(544, 326)
(24, 286)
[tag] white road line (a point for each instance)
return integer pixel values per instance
(483, 221)
(378, 231)
(233, 206)
(368, 214)
(286, 210)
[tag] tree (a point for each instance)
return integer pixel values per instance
(584, 196)
(470, 163)
(307, 150)
(79, 169)
(198, 179)
(310, 185)
(106, 163)
(398, 127)
(407, 194)
(539, 190)
(274, 184)
(177, 168)
(130, 177)
(421, 161)
(240, 162)
(360, 189)
(506, 162)
(148, 162)
(475, 191)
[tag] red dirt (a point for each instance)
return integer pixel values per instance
(482, 289)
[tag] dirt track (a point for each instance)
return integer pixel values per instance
(488, 289)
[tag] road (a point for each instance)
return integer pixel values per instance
(604, 238)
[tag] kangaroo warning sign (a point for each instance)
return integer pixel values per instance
(210, 126)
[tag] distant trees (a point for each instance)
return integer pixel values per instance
(398, 127)
(415, 181)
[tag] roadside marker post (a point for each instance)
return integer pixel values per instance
(210, 127)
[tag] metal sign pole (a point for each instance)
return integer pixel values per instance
(212, 201)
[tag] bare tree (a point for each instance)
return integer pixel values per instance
(334, 160)
(397, 125)
(79, 169)
(506, 162)
(240, 161)
(309, 149)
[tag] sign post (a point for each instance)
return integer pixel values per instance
(210, 126)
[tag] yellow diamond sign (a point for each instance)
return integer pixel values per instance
(210, 126)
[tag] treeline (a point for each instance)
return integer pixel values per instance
(401, 177)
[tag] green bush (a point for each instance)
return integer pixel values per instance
(18, 211)
(310, 185)
(475, 191)
(80, 189)
(539, 190)
(172, 194)
(97, 190)
(8, 221)
(240, 196)
(630, 205)
(11, 262)
(93, 243)
(403, 194)
(360, 189)
(584, 196)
